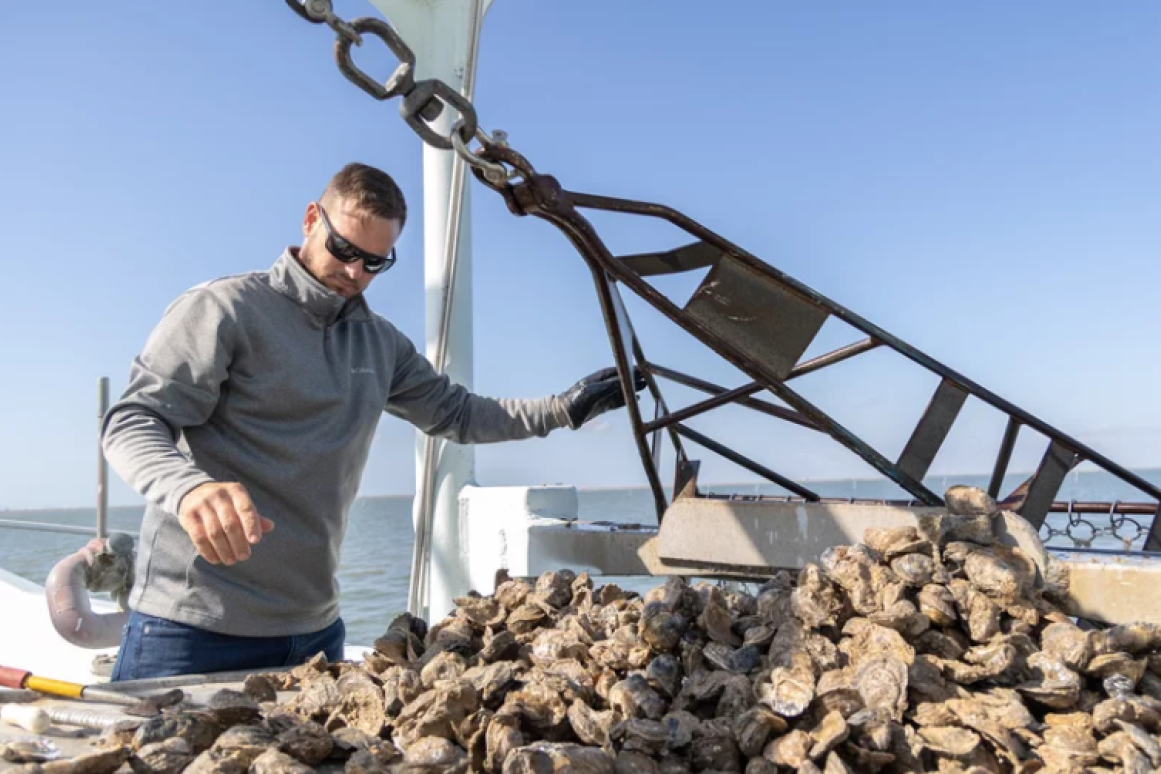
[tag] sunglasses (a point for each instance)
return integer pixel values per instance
(345, 251)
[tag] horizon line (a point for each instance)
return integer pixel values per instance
(605, 488)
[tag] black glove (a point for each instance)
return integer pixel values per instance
(596, 394)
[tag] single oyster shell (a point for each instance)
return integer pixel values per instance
(869, 641)
(882, 683)
(318, 699)
(437, 712)
(400, 687)
(511, 594)
(499, 647)
(590, 726)
(753, 727)
(791, 750)
(882, 539)
(939, 644)
(541, 708)
(852, 567)
(309, 743)
(275, 762)
(1130, 638)
(555, 588)
(168, 757)
(937, 603)
(198, 729)
(363, 705)
(714, 753)
(715, 619)
(1122, 664)
(350, 741)
(949, 740)
(815, 601)
(558, 758)
(664, 674)
(648, 737)
(220, 762)
(925, 680)
(552, 645)
(916, 570)
(1054, 685)
(1144, 741)
(433, 751)
(502, 737)
(261, 688)
(903, 617)
(661, 628)
(491, 681)
(1119, 748)
(633, 697)
(789, 691)
(1068, 644)
(680, 726)
(481, 612)
(402, 642)
(249, 741)
(527, 618)
(829, 734)
(1069, 745)
(628, 762)
(443, 666)
(1002, 575)
(969, 501)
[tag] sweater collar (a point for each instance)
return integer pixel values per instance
(290, 277)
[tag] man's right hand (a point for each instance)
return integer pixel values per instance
(222, 522)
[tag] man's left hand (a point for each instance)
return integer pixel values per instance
(596, 394)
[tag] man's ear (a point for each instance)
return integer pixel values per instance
(310, 219)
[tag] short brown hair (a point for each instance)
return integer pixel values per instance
(371, 190)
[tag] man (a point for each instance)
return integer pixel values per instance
(247, 423)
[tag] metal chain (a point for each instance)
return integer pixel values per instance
(1082, 532)
(423, 101)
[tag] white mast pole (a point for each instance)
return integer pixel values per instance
(439, 32)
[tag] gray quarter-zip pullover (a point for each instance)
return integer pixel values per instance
(272, 380)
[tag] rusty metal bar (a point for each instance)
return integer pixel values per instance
(686, 258)
(1033, 498)
(723, 396)
(1153, 541)
(1058, 506)
(747, 463)
(732, 396)
(765, 407)
(729, 396)
(835, 356)
(932, 430)
(1004, 457)
(621, 335)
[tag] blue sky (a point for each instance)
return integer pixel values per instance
(983, 180)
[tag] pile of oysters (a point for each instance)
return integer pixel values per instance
(925, 648)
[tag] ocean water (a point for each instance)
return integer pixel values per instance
(376, 557)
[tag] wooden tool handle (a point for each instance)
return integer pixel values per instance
(29, 718)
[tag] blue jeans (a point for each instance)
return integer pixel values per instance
(156, 647)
